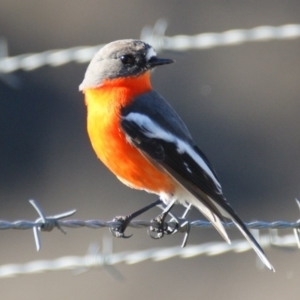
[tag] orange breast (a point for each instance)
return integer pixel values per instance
(109, 141)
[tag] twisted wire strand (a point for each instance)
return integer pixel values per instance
(95, 224)
(96, 260)
(48, 223)
(155, 36)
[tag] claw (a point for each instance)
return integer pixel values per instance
(156, 236)
(180, 224)
(162, 228)
(118, 231)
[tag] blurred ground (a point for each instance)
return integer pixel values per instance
(248, 124)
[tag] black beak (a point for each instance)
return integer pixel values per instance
(156, 61)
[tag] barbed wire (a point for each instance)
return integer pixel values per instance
(48, 223)
(96, 224)
(107, 259)
(153, 35)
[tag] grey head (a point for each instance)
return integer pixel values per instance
(121, 58)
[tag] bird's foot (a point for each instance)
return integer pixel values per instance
(162, 227)
(118, 231)
(176, 224)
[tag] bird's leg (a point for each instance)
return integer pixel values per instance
(118, 231)
(163, 206)
(162, 228)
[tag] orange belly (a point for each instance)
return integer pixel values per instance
(110, 144)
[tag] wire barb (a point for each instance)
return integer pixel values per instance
(297, 230)
(10, 79)
(155, 35)
(185, 226)
(44, 223)
(98, 258)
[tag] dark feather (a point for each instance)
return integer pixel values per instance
(180, 164)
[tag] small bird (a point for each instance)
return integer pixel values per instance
(142, 140)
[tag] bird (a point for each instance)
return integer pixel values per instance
(140, 138)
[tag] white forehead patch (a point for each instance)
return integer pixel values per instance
(150, 53)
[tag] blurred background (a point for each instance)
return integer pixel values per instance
(241, 104)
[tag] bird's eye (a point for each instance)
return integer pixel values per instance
(127, 59)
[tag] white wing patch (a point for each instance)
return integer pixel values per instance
(153, 130)
(150, 53)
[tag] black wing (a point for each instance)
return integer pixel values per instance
(158, 132)
(154, 128)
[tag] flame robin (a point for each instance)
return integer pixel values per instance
(142, 140)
